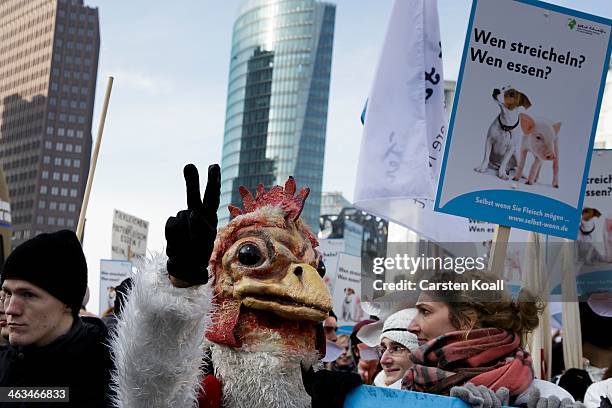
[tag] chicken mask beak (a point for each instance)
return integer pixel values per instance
(300, 295)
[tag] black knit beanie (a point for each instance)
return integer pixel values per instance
(54, 262)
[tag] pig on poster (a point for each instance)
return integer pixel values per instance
(593, 254)
(346, 295)
(112, 273)
(525, 114)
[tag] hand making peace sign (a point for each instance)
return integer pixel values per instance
(191, 234)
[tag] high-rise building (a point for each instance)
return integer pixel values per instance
(48, 67)
(333, 202)
(277, 99)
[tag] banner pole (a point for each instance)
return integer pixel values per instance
(499, 247)
(94, 160)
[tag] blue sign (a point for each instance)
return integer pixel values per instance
(367, 396)
(525, 115)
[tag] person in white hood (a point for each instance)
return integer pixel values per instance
(395, 344)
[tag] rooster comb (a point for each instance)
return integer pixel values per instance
(277, 196)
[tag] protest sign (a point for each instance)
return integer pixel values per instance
(594, 243)
(525, 115)
(347, 292)
(375, 397)
(129, 237)
(112, 273)
(330, 250)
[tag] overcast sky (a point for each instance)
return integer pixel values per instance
(170, 62)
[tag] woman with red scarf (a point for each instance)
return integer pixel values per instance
(477, 337)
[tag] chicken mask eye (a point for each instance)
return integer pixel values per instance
(321, 268)
(249, 255)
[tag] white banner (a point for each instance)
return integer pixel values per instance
(405, 127)
(112, 273)
(129, 239)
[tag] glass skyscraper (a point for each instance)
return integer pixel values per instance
(278, 91)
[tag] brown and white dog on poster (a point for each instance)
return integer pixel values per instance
(540, 137)
(504, 133)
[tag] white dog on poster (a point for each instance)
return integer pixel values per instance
(504, 134)
(351, 306)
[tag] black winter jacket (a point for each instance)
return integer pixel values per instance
(328, 389)
(79, 360)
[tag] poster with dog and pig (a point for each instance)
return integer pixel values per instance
(593, 247)
(330, 250)
(347, 292)
(523, 123)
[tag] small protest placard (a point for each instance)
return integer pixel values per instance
(112, 273)
(129, 239)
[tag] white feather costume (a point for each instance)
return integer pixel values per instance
(261, 379)
(158, 347)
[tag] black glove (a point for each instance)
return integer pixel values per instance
(191, 234)
(328, 389)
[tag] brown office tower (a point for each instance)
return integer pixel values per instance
(48, 66)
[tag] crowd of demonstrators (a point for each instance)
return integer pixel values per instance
(43, 283)
(457, 343)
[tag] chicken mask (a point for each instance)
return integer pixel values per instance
(267, 275)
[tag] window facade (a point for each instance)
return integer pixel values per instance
(278, 90)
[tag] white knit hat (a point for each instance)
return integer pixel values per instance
(395, 328)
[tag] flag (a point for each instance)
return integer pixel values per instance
(405, 127)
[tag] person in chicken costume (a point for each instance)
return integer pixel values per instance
(247, 337)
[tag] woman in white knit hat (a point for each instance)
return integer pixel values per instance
(395, 343)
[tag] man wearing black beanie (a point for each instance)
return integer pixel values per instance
(44, 281)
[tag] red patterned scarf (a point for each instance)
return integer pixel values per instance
(489, 357)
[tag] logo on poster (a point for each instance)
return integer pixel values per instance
(584, 28)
